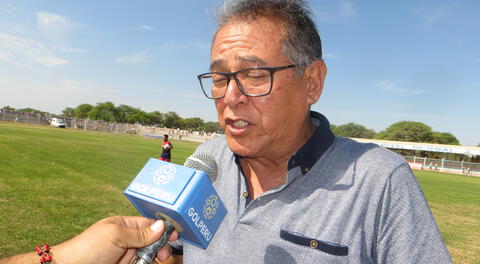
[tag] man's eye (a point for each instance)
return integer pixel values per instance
(218, 78)
(256, 75)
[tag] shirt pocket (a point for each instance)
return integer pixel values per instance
(324, 246)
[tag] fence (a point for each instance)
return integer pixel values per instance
(23, 117)
(443, 165)
(92, 125)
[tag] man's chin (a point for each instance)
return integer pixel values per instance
(239, 147)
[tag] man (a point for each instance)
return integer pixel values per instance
(294, 192)
(166, 149)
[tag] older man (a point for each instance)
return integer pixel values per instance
(295, 193)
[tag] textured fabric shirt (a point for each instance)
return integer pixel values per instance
(343, 202)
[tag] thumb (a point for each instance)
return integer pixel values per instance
(141, 237)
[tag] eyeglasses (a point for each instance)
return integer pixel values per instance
(251, 81)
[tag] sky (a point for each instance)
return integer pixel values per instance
(388, 61)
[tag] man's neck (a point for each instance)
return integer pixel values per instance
(263, 173)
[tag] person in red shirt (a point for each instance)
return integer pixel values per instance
(166, 147)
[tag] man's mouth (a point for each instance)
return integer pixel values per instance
(239, 124)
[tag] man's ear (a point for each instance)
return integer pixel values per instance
(315, 77)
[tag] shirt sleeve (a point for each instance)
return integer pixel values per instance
(406, 229)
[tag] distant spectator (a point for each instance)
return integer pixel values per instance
(166, 149)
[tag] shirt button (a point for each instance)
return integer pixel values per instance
(305, 170)
(245, 194)
(313, 244)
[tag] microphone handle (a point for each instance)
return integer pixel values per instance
(147, 254)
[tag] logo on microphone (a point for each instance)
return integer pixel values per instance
(210, 206)
(164, 174)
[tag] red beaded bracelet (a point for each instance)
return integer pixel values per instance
(43, 252)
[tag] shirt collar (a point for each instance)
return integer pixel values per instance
(314, 148)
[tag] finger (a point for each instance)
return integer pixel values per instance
(138, 237)
(136, 221)
(174, 236)
(128, 257)
(164, 253)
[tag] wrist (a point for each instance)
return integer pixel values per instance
(61, 255)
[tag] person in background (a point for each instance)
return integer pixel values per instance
(166, 149)
(111, 240)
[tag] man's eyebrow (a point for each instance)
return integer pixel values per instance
(216, 64)
(252, 60)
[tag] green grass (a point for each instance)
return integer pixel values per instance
(455, 203)
(56, 182)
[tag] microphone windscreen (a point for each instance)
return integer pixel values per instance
(203, 162)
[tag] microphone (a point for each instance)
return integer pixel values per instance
(182, 196)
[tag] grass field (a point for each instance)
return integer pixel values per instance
(56, 182)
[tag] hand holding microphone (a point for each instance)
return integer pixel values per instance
(183, 196)
(112, 240)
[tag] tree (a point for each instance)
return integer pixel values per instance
(31, 110)
(82, 110)
(212, 127)
(69, 112)
(445, 138)
(124, 111)
(172, 120)
(478, 145)
(407, 131)
(334, 129)
(157, 118)
(139, 117)
(353, 130)
(104, 111)
(8, 108)
(194, 123)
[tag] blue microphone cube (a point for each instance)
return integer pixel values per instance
(180, 194)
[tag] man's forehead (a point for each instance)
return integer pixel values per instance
(239, 59)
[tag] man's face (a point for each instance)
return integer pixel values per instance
(266, 126)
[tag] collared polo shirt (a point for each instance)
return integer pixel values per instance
(343, 202)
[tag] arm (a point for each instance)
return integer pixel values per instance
(406, 229)
(110, 240)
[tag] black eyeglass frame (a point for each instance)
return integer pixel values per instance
(229, 76)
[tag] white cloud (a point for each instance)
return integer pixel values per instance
(341, 11)
(70, 49)
(134, 58)
(147, 27)
(11, 10)
(431, 16)
(57, 29)
(389, 86)
(55, 21)
(22, 51)
(347, 9)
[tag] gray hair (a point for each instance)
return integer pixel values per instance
(302, 44)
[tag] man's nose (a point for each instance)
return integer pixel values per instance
(233, 94)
